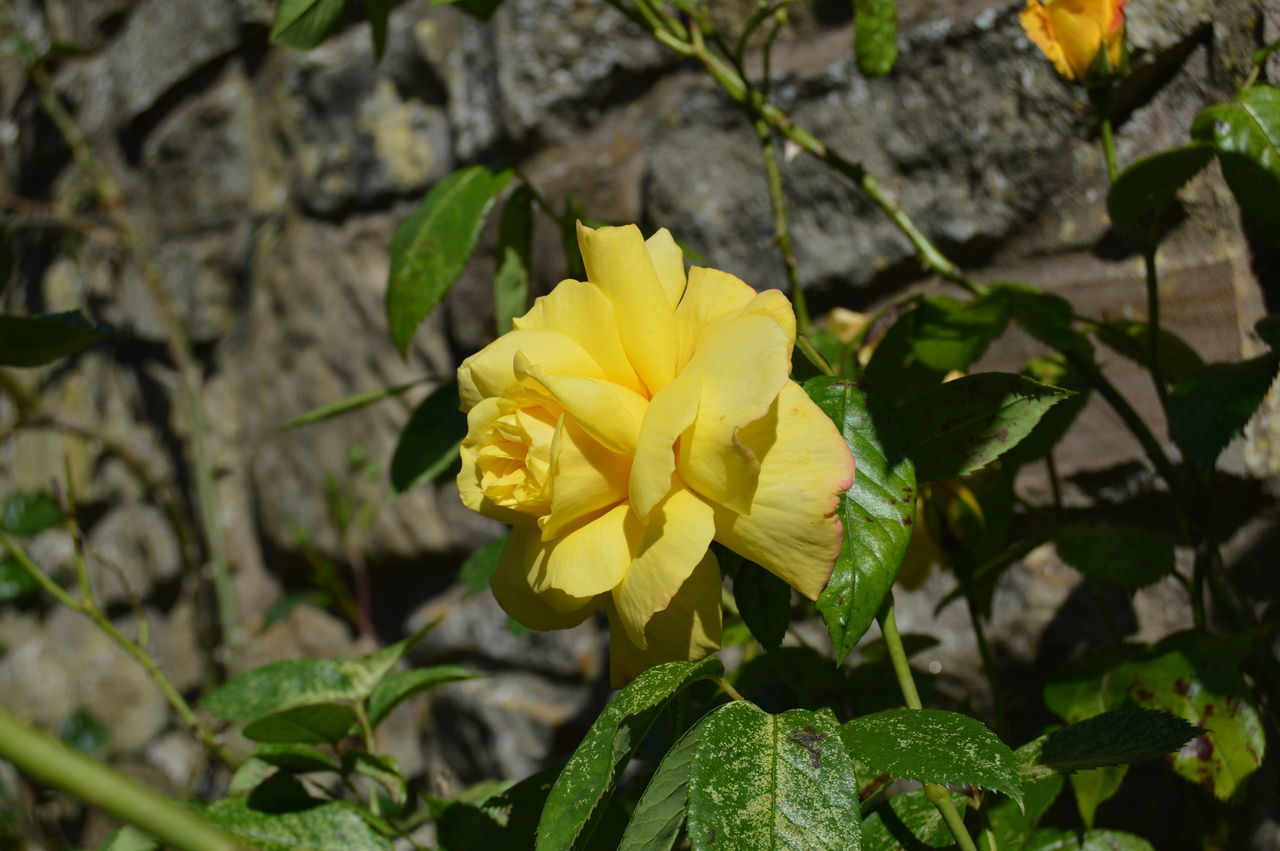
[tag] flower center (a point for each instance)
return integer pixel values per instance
(514, 456)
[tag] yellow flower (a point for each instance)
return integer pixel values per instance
(625, 423)
(1072, 32)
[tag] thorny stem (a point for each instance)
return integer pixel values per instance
(176, 341)
(936, 794)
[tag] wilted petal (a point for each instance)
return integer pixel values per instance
(524, 557)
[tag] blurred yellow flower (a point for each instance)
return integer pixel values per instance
(625, 423)
(1073, 32)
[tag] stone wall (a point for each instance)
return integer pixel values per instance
(267, 184)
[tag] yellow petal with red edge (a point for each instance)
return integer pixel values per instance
(523, 557)
(1077, 26)
(1035, 21)
(618, 262)
(743, 364)
(664, 553)
(687, 629)
(668, 262)
(791, 528)
(670, 412)
(609, 412)
(585, 478)
(491, 370)
(584, 314)
(590, 559)
(711, 297)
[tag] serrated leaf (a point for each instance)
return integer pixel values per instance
(909, 820)
(655, 823)
(1057, 371)
(1212, 405)
(397, 688)
(588, 777)
(38, 340)
(429, 442)
(951, 334)
(1146, 187)
(1053, 839)
(934, 746)
(334, 825)
(432, 247)
(876, 512)
(480, 565)
(344, 406)
(1246, 135)
(1121, 737)
(29, 513)
(965, 424)
(875, 40)
(1177, 359)
(294, 758)
(761, 781)
(515, 245)
(1120, 555)
(303, 24)
(311, 724)
(764, 601)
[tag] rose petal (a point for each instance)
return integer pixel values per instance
(585, 478)
(589, 560)
(491, 370)
(609, 412)
(670, 412)
(668, 263)
(711, 298)
(522, 558)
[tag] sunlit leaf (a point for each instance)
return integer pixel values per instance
(515, 244)
(875, 41)
(303, 24)
(397, 688)
(1246, 134)
(655, 824)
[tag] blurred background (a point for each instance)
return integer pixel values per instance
(265, 185)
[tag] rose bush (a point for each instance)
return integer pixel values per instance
(1073, 32)
(627, 422)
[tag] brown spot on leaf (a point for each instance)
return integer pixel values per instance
(806, 737)
(906, 521)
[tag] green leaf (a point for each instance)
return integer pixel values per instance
(1055, 370)
(1013, 825)
(344, 406)
(761, 781)
(1146, 187)
(965, 424)
(876, 512)
(1095, 787)
(1115, 738)
(397, 688)
(1246, 134)
(479, 566)
(588, 777)
(128, 838)
(655, 824)
(1177, 359)
(311, 724)
(895, 373)
(251, 774)
(1048, 318)
(515, 244)
(294, 758)
(429, 443)
(335, 825)
(303, 24)
(378, 11)
(482, 9)
(29, 513)
(1121, 555)
(951, 334)
(431, 247)
(909, 820)
(1212, 405)
(85, 733)
(15, 583)
(383, 770)
(875, 40)
(934, 746)
(1053, 839)
(764, 601)
(38, 340)
(1268, 329)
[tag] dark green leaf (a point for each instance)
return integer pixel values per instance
(479, 566)
(429, 442)
(332, 825)
(876, 512)
(908, 820)
(311, 724)
(303, 24)
(1048, 318)
(895, 373)
(1115, 738)
(1211, 405)
(1053, 839)
(1146, 187)
(397, 688)
(1011, 824)
(588, 778)
(482, 9)
(294, 758)
(764, 601)
(655, 824)
(1121, 555)
(431, 247)
(934, 746)
(1054, 370)
(964, 424)
(1268, 329)
(15, 583)
(383, 770)
(1177, 359)
(85, 733)
(1246, 134)
(515, 243)
(345, 406)
(875, 41)
(378, 11)
(761, 781)
(128, 838)
(951, 334)
(29, 514)
(38, 340)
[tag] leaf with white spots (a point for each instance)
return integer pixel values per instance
(762, 781)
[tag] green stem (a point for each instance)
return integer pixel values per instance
(781, 230)
(38, 756)
(1153, 325)
(815, 357)
(728, 688)
(1102, 104)
(937, 795)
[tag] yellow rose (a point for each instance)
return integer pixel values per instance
(1072, 32)
(625, 423)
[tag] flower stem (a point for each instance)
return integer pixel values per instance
(1101, 98)
(728, 688)
(41, 757)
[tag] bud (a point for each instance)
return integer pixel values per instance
(1083, 38)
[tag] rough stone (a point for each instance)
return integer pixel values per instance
(130, 550)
